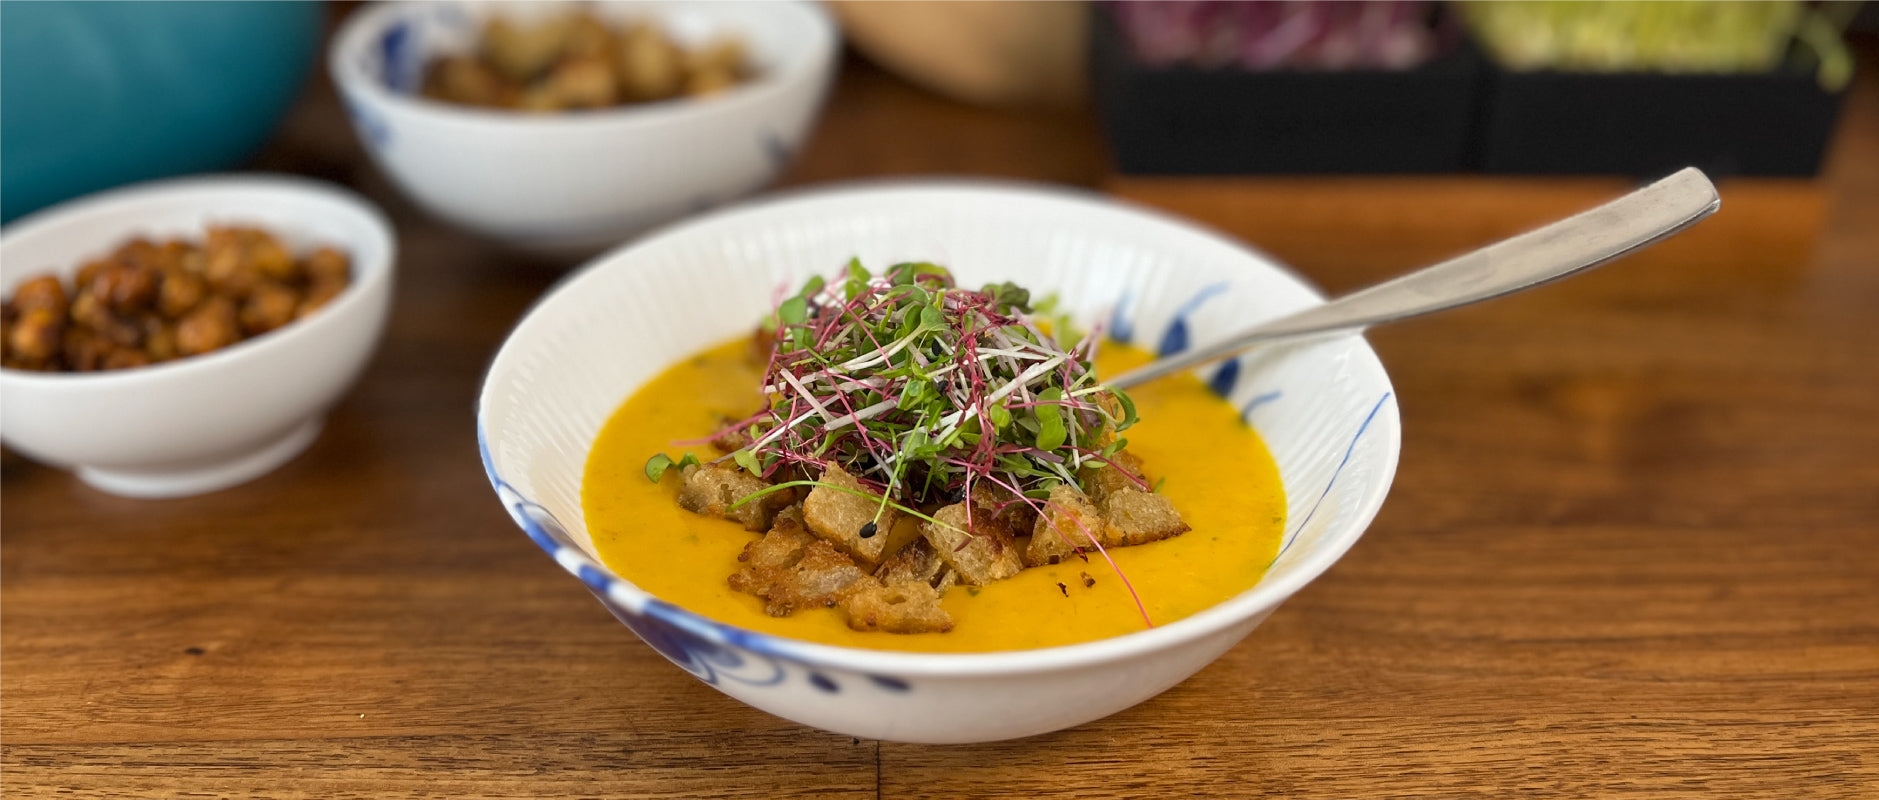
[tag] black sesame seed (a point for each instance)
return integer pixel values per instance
(867, 531)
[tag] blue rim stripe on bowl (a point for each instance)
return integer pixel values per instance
(1292, 536)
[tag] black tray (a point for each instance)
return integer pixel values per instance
(1187, 121)
(1650, 124)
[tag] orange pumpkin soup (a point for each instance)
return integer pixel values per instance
(1212, 466)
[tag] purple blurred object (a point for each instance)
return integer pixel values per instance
(1286, 34)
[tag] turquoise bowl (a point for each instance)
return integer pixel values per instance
(102, 94)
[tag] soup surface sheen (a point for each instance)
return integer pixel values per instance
(1216, 470)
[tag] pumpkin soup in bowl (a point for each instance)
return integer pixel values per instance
(626, 357)
(1097, 513)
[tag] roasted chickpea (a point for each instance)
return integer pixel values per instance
(707, 82)
(90, 311)
(269, 257)
(89, 272)
(126, 288)
(521, 51)
(44, 292)
(181, 291)
(160, 339)
(212, 325)
(724, 55)
(83, 350)
(589, 37)
(35, 336)
(227, 266)
(460, 79)
(327, 265)
(319, 294)
(173, 255)
(269, 306)
(125, 358)
(138, 252)
(650, 66)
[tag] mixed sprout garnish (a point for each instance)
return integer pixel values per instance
(923, 390)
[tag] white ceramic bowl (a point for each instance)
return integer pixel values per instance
(215, 420)
(1324, 409)
(581, 181)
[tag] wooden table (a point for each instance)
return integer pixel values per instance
(1633, 549)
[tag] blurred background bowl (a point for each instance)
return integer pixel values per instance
(100, 94)
(208, 421)
(574, 183)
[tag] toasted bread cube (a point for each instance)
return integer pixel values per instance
(1123, 472)
(780, 548)
(1068, 524)
(900, 607)
(712, 489)
(987, 553)
(1017, 513)
(1138, 517)
(791, 569)
(918, 561)
(856, 523)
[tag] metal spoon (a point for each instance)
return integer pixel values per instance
(1571, 245)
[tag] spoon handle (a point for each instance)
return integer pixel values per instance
(1571, 245)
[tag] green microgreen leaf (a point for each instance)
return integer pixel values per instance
(812, 287)
(1128, 409)
(657, 466)
(793, 311)
(1050, 430)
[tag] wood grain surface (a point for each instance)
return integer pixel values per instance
(1632, 550)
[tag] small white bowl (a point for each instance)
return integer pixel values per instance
(1323, 408)
(222, 418)
(580, 181)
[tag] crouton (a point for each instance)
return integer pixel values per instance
(1138, 517)
(712, 489)
(1123, 472)
(791, 569)
(900, 607)
(1015, 512)
(918, 561)
(780, 548)
(849, 521)
(1069, 523)
(730, 441)
(985, 554)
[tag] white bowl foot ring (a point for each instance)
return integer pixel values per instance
(202, 477)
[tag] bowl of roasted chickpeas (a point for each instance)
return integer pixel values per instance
(568, 128)
(184, 336)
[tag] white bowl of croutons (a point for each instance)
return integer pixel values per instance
(619, 378)
(184, 336)
(565, 128)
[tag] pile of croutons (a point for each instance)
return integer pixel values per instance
(886, 571)
(574, 61)
(148, 302)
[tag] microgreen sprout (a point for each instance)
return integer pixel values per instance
(919, 388)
